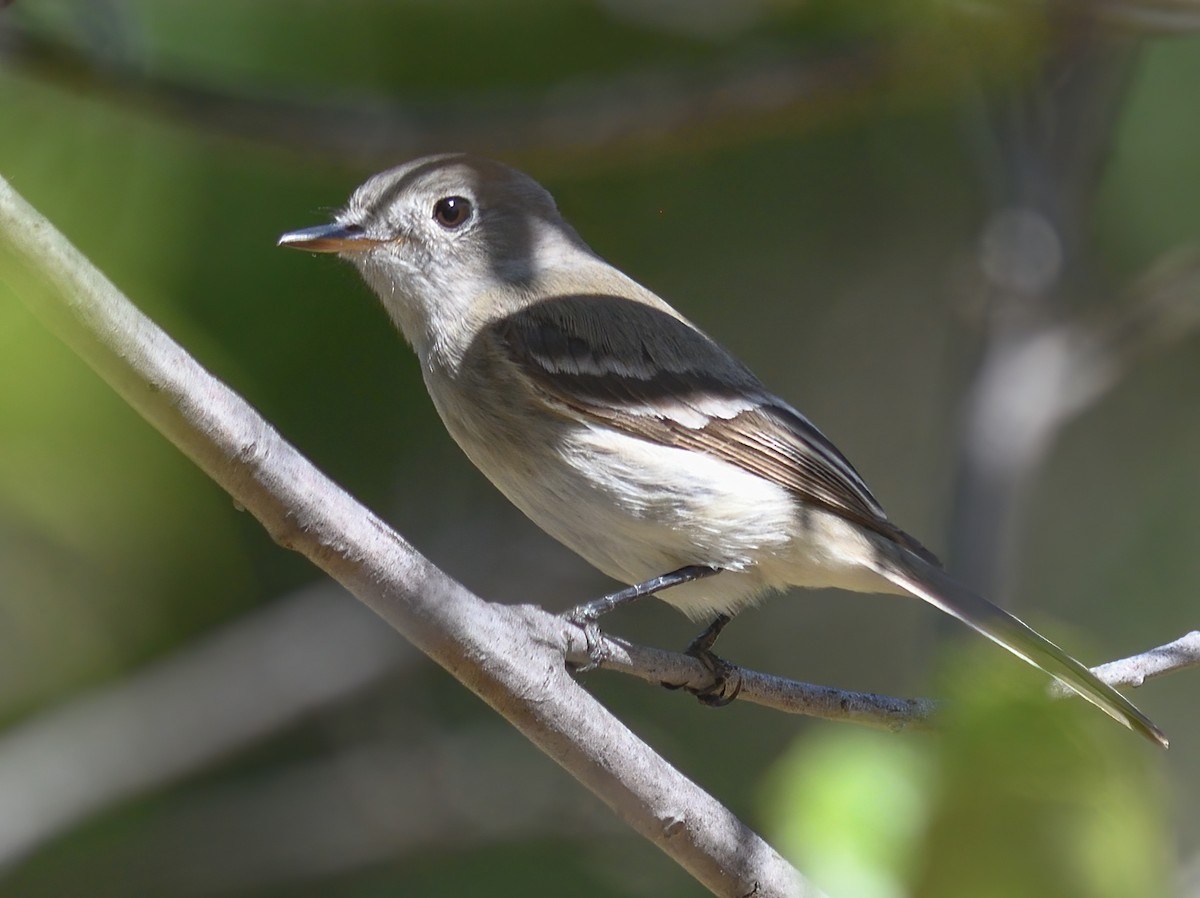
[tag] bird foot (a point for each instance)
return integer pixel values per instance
(597, 651)
(718, 692)
(726, 682)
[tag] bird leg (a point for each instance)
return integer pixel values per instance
(586, 615)
(714, 694)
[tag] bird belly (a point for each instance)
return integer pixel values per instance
(636, 509)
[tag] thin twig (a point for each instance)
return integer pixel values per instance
(829, 703)
(1182, 654)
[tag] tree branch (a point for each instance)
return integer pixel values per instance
(1181, 654)
(512, 657)
(868, 708)
(779, 693)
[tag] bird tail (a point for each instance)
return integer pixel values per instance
(925, 581)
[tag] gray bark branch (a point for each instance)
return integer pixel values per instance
(867, 708)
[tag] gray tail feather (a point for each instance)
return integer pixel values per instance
(925, 581)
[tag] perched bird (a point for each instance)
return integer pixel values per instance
(617, 425)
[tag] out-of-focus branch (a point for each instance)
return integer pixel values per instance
(1057, 372)
(511, 657)
(229, 689)
(730, 100)
(207, 700)
(595, 117)
(1040, 363)
(1061, 371)
(375, 802)
(1148, 16)
(1188, 883)
(1035, 380)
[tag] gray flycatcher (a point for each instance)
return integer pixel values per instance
(618, 426)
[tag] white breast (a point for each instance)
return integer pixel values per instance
(636, 509)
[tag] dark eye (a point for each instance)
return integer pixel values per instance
(452, 211)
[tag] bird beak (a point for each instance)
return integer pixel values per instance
(328, 238)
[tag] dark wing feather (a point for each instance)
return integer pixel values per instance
(643, 371)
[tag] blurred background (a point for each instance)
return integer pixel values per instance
(959, 235)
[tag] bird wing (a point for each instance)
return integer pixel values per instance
(644, 371)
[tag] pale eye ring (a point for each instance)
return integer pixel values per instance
(452, 212)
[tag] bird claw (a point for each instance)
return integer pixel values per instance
(719, 692)
(597, 651)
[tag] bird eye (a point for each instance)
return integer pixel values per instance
(452, 211)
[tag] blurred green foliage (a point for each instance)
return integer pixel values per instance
(850, 807)
(829, 241)
(1018, 795)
